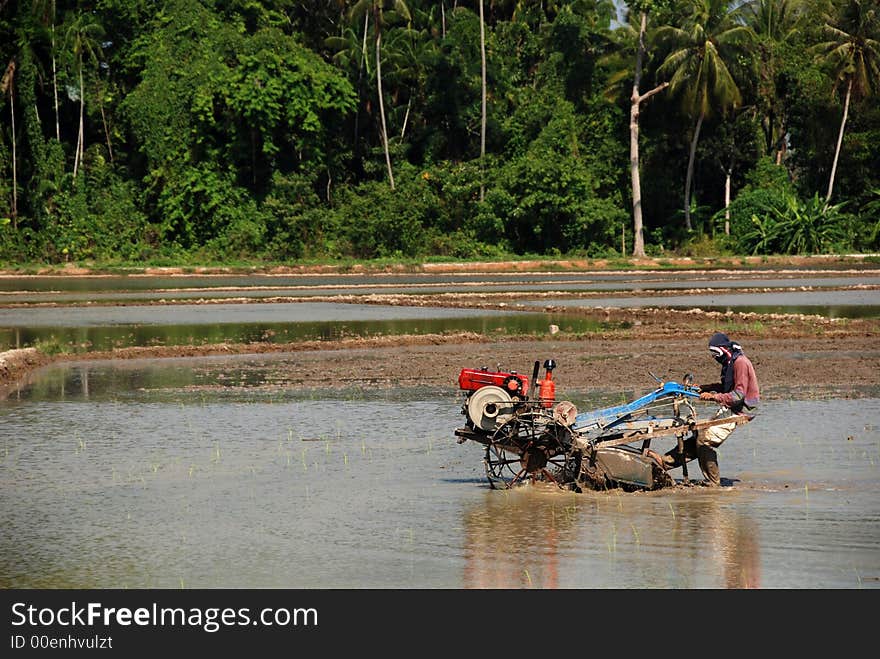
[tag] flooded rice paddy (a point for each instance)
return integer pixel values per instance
(103, 312)
(200, 473)
(189, 473)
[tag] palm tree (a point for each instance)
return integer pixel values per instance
(350, 52)
(699, 68)
(775, 23)
(377, 9)
(7, 85)
(853, 54)
(82, 38)
(483, 106)
(45, 9)
(636, 100)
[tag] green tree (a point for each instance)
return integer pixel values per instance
(483, 101)
(379, 10)
(778, 26)
(7, 86)
(852, 52)
(637, 98)
(45, 11)
(699, 68)
(82, 39)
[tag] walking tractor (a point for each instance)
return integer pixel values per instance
(528, 436)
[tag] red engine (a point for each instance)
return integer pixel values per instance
(471, 379)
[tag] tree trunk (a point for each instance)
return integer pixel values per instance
(356, 153)
(14, 158)
(55, 87)
(635, 103)
(106, 127)
(727, 176)
(638, 232)
(406, 116)
(80, 146)
(382, 103)
(483, 123)
(690, 174)
(839, 143)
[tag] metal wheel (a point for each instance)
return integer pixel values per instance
(502, 466)
(531, 446)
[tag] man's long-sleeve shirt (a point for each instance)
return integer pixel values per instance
(745, 386)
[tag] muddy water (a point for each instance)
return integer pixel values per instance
(857, 303)
(171, 475)
(81, 329)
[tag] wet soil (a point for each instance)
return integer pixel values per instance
(790, 352)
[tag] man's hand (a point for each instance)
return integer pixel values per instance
(707, 395)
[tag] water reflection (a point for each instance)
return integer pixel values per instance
(156, 475)
(538, 537)
(81, 338)
(833, 304)
(512, 539)
(715, 533)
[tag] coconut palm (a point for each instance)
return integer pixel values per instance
(377, 9)
(776, 23)
(45, 11)
(636, 100)
(7, 85)
(483, 96)
(82, 39)
(699, 65)
(852, 52)
(350, 53)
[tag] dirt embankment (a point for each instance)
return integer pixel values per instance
(805, 354)
(15, 364)
(790, 351)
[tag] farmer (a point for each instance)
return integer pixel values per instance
(736, 392)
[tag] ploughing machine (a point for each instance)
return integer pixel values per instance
(530, 436)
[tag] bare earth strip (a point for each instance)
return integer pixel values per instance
(803, 355)
(794, 354)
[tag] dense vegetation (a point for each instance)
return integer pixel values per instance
(278, 130)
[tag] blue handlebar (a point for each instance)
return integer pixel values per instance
(608, 415)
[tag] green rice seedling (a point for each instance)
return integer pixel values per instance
(613, 539)
(345, 459)
(305, 465)
(636, 536)
(672, 510)
(528, 577)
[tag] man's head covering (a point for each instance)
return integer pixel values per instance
(722, 348)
